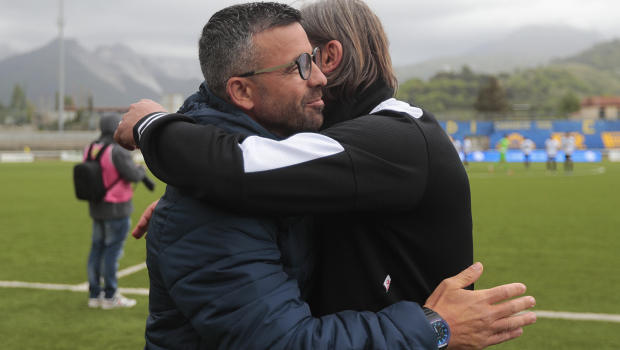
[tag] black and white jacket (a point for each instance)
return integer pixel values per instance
(391, 194)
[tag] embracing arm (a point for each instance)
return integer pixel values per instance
(241, 299)
(231, 287)
(372, 162)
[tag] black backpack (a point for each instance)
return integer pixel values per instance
(87, 177)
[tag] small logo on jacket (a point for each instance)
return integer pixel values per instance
(387, 282)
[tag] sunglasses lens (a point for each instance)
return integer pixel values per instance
(305, 66)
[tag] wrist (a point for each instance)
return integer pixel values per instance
(141, 125)
(440, 326)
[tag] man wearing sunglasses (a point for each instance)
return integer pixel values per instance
(248, 296)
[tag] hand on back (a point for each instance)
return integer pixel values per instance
(475, 318)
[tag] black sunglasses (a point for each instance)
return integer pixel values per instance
(304, 65)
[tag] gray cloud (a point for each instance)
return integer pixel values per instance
(417, 29)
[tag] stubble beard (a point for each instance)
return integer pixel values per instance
(292, 117)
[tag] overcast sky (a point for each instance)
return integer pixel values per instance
(418, 30)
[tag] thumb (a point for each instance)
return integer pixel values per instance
(468, 276)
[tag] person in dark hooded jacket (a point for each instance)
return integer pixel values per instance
(111, 220)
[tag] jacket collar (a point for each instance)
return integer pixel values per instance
(362, 104)
(221, 113)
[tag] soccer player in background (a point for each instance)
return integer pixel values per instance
(551, 146)
(467, 148)
(568, 146)
(458, 145)
(502, 146)
(527, 146)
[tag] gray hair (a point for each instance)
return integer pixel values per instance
(366, 57)
(226, 47)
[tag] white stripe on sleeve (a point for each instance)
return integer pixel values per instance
(261, 154)
(148, 122)
(393, 104)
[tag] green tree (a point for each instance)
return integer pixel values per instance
(492, 98)
(2, 113)
(68, 101)
(18, 99)
(570, 103)
(19, 106)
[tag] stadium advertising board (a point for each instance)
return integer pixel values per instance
(537, 156)
(589, 134)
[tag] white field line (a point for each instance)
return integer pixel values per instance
(82, 287)
(145, 291)
(131, 269)
(578, 316)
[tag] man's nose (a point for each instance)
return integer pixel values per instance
(317, 78)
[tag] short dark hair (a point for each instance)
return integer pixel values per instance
(226, 47)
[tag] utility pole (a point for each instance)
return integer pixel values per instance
(61, 71)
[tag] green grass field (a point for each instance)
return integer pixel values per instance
(558, 235)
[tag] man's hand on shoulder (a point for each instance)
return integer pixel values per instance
(475, 318)
(124, 133)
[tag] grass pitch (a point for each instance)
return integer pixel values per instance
(558, 235)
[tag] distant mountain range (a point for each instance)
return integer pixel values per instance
(604, 56)
(118, 76)
(115, 76)
(5, 51)
(525, 48)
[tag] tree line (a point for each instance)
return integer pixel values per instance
(19, 110)
(542, 92)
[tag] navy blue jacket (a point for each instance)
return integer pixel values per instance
(221, 280)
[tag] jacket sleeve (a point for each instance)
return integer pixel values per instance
(121, 158)
(235, 294)
(375, 162)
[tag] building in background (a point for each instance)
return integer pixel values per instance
(599, 107)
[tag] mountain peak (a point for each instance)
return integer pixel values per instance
(548, 41)
(117, 49)
(115, 75)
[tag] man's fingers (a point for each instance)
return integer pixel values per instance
(511, 327)
(504, 336)
(140, 228)
(121, 135)
(467, 276)
(125, 145)
(145, 219)
(510, 323)
(513, 307)
(504, 292)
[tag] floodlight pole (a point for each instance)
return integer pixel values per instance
(61, 71)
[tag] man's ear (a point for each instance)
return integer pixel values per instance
(331, 55)
(241, 92)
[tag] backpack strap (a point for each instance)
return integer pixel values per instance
(98, 160)
(105, 145)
